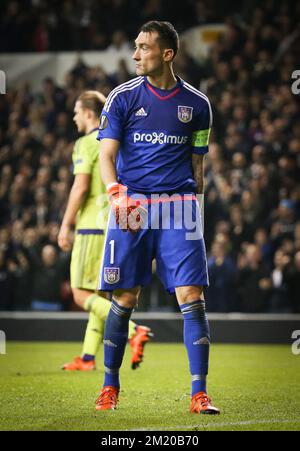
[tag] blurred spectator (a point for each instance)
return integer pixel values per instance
(122, 74)
(186, 67)
(31, 244)
(294, 284)
(41, 214)
(265, 246)
(221, 293)
(280, 301)
(47, 281)
(20, 271)
(297, 236)
(286, 218)
(5, 284)
(240, 230)
(254, 283)
(119, 42)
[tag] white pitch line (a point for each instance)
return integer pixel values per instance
(155, 316)
(217, 425)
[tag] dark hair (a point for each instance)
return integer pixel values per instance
(92, 100)
(167, 35)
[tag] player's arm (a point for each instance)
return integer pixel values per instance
(126, 210)
(107, 159)
(77, 196)
(197, 162)
(200, 143)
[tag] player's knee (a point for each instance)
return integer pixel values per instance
(127, 298)
(104, 294)
(188, 294)
(79, 297)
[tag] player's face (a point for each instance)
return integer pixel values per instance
(79, 117)
(148, 55)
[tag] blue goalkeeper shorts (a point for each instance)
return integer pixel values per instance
(172, 234)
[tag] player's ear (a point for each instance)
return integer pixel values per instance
(168, 55)
(90, 113)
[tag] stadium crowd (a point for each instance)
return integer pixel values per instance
(41, 25)
(252, 173)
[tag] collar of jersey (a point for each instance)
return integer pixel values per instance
(92, 131)
(171, 92)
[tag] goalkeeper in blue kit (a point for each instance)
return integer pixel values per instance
(154, 132)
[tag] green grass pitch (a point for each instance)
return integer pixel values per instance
(257, 387)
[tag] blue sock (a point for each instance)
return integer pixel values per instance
(115, 339)
(88, 357)
(196, 339)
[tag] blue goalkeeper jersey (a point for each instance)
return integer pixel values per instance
(159, 131)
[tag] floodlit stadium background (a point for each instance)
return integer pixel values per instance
(242, 55)
(245, 55)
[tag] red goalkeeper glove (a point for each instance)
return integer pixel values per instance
(128, 212)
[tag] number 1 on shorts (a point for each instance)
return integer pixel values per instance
(112, 251)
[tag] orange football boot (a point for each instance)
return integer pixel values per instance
(201, 403)
(79, 365)
(137, 344)
(108, 398)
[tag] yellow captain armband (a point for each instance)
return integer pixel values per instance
(200, 138)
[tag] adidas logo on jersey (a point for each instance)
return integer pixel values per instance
(141, 112)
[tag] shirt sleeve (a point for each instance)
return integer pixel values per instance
(112, 118)
(82, 158)
(200, 137)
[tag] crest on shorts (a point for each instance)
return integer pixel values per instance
(185, 113)
(111, 275)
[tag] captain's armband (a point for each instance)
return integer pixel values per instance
(200, 138)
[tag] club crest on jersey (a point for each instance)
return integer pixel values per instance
(185, 113)
(111, 275)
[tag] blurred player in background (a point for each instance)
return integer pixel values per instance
(156, 127)
(87, 210)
